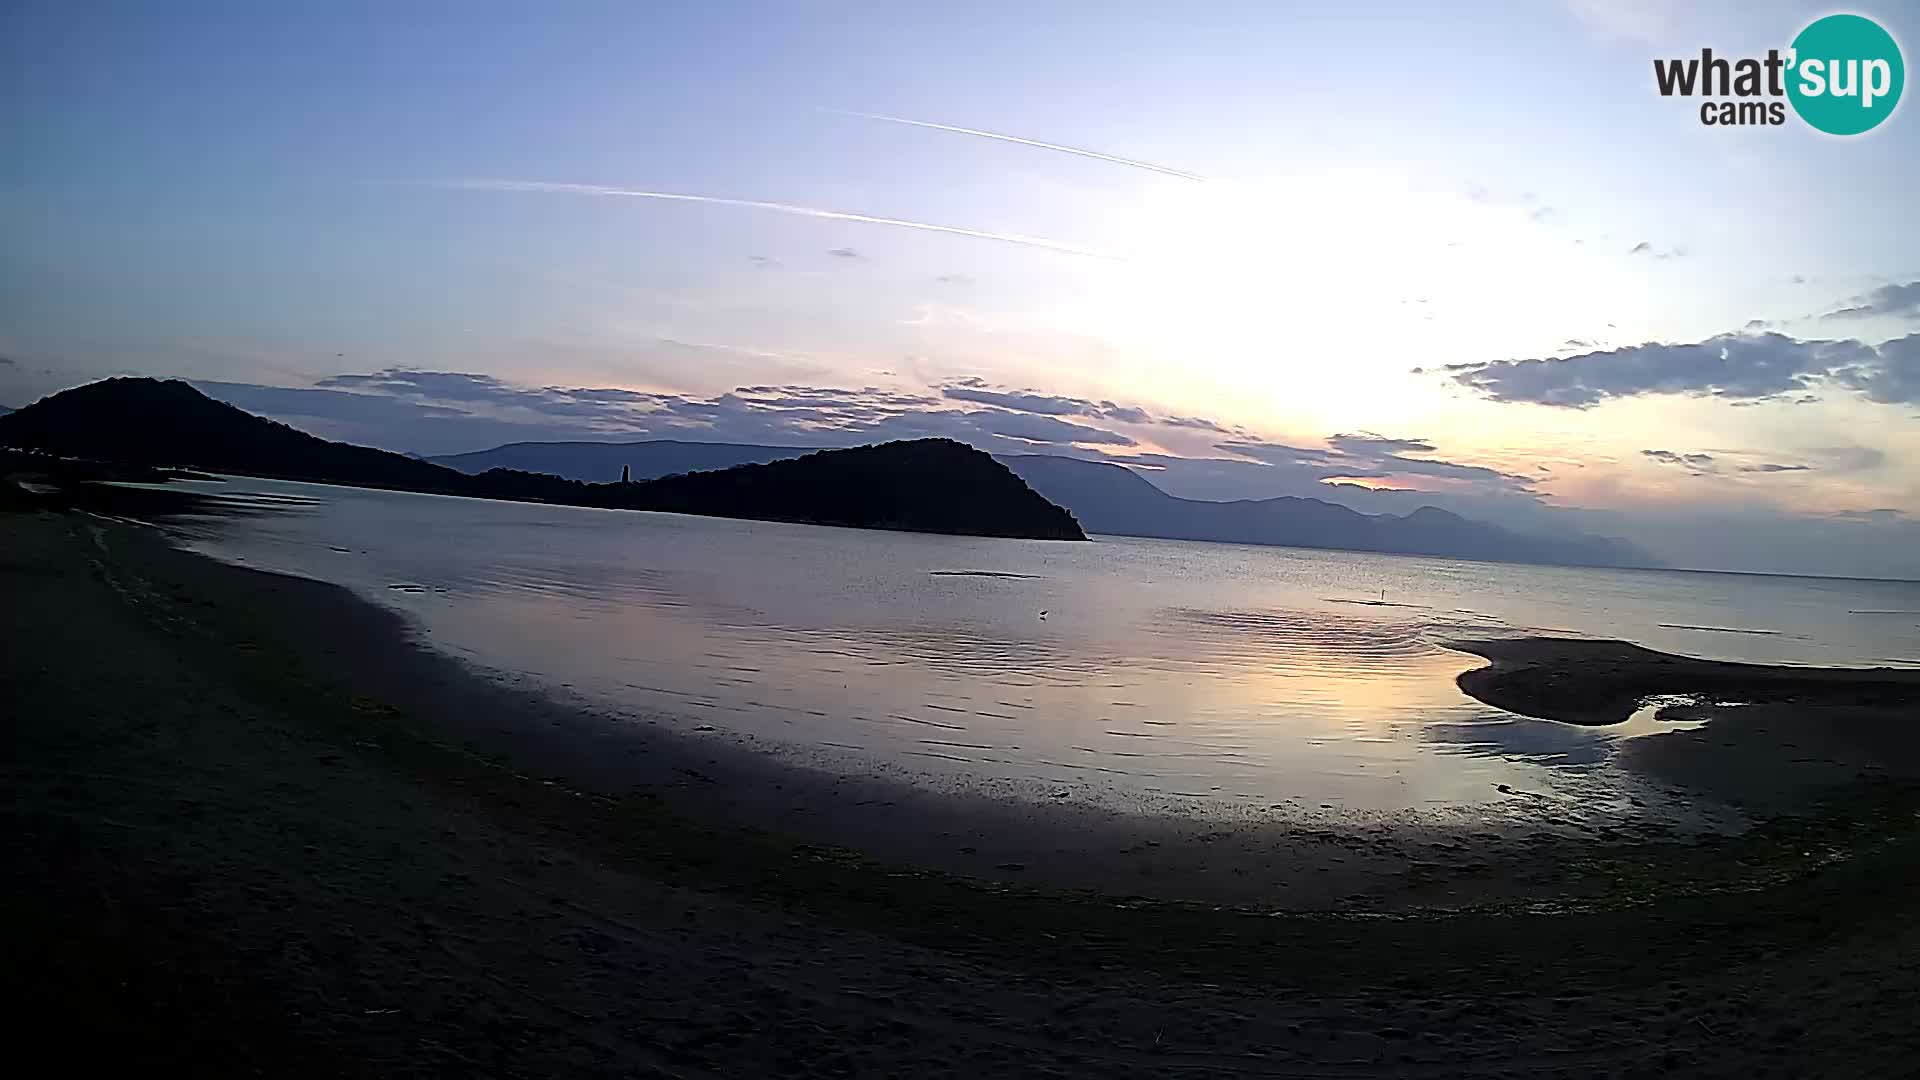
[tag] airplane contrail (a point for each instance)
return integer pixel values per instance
(780, 208)
(1094, 154)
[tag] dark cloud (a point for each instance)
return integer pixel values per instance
(1368, 456)
(441, 412)
(1733, 366)
(1879, 516)
(1646, 248)
(395, 423)
(1044, 404)
(977, 391)
(845, 253)
(1276, 453)
(323, 404)
(1698, 463)
(1042, 429)
(1759, 463)
(1367, 443)
(439, 385)
(1897, 299)
(1894, 376)
(954, 279)
(1197, 423)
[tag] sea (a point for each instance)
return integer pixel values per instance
(1153, 676)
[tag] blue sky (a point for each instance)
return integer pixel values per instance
(1400, 208)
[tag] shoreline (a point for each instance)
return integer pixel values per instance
(370, 654)
(1768, 740)
(225, 849)
(1600, 682)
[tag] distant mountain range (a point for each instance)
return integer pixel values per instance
(1108, 498)
(600, 462)
(925, 485)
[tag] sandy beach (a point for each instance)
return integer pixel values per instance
(252, 828)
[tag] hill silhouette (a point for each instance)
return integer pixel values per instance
(170, 424)
(597, 462)
(927, 485)
(1109, 498)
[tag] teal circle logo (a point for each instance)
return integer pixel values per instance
(1845, 74)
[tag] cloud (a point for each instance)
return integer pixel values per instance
(1276, 453)
(977, 391)
(323, 404)
(1042, 429)
(1056, 147)
(1733, 366)
(1837, 459)
(845, 253)
(449, 411)
(954, 279)
(1197, 423)
(551, 188)
(1369, 456)
(1368, 443)
(1848, 458)
(1893, 377)
(765, 262)
(1902, 299)
(436, 412)
(1699, 463)
(1646, 248)
(1879, 516)
(441, 385)
(446, 411)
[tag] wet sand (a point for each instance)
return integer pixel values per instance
(250, 826)
(1776, 739)
(1577, 681)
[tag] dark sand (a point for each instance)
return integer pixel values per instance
(250, 829)
(1778, 738)
(1578, 681)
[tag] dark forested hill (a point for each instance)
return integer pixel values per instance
(1108, 498)
(930, 485)
(169, 423)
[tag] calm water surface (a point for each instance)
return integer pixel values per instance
(1147, 674)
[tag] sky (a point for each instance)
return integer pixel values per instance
(1375, 252)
